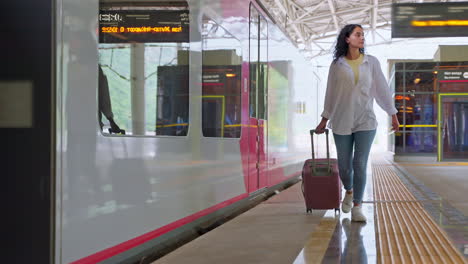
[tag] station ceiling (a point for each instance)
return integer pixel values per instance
(313, 24)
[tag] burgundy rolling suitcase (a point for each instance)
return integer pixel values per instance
(321, 185)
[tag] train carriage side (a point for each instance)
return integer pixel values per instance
(164, 114)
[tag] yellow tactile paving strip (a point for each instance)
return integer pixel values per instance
(317, 243)
(405, 232)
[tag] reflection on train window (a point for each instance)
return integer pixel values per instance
(221, 94)
(143, 69)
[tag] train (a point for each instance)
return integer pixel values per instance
(140, 119)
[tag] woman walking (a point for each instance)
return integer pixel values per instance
(355, 79)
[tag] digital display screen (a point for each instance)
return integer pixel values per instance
(141, 26)
(421, 20)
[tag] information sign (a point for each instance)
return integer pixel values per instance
(141, 26)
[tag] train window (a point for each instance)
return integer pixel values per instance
(262, 69)
(143, 68)
(253, 58)
(258, 66)
(221, 91)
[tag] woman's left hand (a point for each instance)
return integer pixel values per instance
(395, 123)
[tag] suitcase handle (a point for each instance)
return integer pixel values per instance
(312, 132)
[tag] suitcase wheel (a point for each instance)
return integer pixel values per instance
(309, 211)
(337, 210)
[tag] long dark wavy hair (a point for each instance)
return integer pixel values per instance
(341, 47)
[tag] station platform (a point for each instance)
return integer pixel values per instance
(416, 211)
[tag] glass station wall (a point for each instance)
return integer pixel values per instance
(417, 89)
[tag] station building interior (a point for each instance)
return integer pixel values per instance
(425, 99)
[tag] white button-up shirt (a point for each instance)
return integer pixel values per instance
(349, 107)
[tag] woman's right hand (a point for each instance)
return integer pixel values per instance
(320, 129)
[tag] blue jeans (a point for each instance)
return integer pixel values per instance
(353, 167)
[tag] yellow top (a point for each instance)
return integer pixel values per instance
(355, 66)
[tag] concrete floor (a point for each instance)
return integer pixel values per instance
(281, 229)
(448, 180)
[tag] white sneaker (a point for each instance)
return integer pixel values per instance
(347, 202)
(357, 215)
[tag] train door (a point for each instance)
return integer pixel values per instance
(453, 121)
(258, 68)
(27, 130)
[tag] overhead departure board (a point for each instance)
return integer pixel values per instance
(421, 20)
(143, 26)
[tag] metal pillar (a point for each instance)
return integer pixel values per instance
(137, 72)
